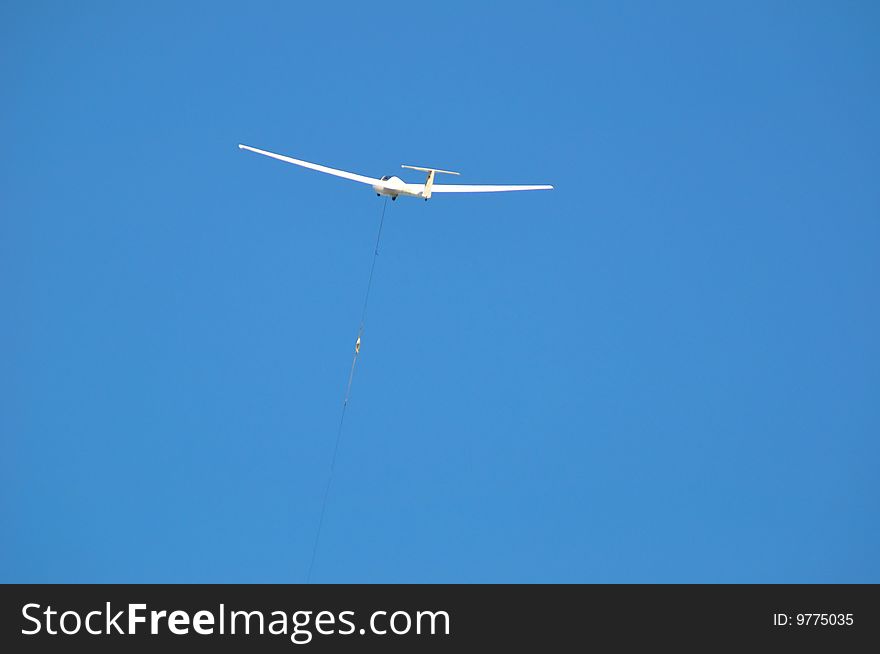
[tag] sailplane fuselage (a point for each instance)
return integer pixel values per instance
(393, 186)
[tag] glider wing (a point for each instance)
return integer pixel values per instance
(322, 169)
(482, 188)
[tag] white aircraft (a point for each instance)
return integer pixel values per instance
(394, 186)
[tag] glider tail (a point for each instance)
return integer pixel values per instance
(431, 173)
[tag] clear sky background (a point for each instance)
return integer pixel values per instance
(665, 370)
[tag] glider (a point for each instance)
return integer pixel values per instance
(393, 186)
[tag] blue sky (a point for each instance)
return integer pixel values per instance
(665, 370)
